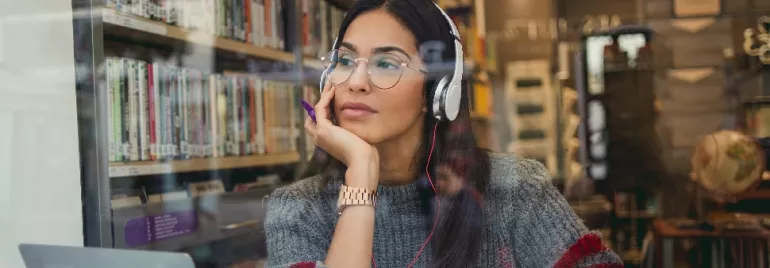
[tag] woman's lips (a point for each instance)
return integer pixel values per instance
(356, 110)
(356, 113)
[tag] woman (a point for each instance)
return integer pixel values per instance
(375, 119)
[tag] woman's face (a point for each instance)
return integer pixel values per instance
(378, 115)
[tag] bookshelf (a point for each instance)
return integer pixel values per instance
(316, 64)
(142, 29)
(140, 168)
(189, 114)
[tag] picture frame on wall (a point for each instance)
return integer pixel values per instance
(695, 8)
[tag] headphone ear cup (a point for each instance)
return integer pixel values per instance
(439, 90)
(452, 98)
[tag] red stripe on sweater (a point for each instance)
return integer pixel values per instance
(607, 265)
(304, 264)
(586, 246)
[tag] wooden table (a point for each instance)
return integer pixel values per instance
(751, 247)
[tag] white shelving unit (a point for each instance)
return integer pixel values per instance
(530, 104)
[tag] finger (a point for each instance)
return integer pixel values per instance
(328, 85)
(322, 108)
(310, 127)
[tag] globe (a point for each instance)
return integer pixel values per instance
(728, 162)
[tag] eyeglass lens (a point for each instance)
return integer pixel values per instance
(384, 69)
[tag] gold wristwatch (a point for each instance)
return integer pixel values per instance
(351, 196)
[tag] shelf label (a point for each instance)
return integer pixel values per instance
(145, 230)
(113, 17)
(140, 169)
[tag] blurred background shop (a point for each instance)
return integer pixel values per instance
(652, 117)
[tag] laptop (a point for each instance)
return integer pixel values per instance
(50, 256)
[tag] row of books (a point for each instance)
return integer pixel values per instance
(258, 22)
(321, 22)
(159, 111)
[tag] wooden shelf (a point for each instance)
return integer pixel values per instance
(481, 117)
(314, 63)
(114, 21)
(140, 168)
(756, 194)
(344, 4)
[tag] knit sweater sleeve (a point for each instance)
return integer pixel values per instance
(547, 232)
(295, 238)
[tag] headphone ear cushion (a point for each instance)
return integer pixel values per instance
(439, 90)
(452, 97)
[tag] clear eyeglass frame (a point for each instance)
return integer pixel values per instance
(381, 79)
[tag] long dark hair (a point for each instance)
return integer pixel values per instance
(457, 237)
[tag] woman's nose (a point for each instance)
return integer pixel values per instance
(359, 79)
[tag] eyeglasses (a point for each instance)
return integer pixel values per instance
(384, 69)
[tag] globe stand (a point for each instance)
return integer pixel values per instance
(701, 215)
(700, 220)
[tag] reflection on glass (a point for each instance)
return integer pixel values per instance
(599, 149)
(598, 171)
(631, 43)
(595, 61)
(596, 116)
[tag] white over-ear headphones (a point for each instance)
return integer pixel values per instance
(447, 92)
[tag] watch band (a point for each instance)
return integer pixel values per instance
(351, 196)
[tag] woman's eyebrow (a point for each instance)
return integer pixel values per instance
(349, 46)
(391, 49)
(376, 50)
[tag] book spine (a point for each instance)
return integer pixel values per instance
(124, 110)
(160, 107)
(206, 115)
(168, 122)
(108, 66)
(229, 115)
(212, 105)
(222, 113)
(178, 110)
(133, 112)
(221, 18)
(201, 115)
(273, 23)
(267, 100)
(144, 153)
(155, 111)
(247, 21)
(197, 109)
(185, 111)
(259, 22)
(252, 116)
(259, 116)
(116, 108)
(229, 18)
(281, 23)
(237, 19)
(293, 125)
(150, 112)
(238, 116)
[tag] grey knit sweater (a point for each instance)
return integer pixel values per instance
(528, 223)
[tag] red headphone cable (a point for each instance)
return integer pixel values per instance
(438, 206)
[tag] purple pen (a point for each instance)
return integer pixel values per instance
(309, 109)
